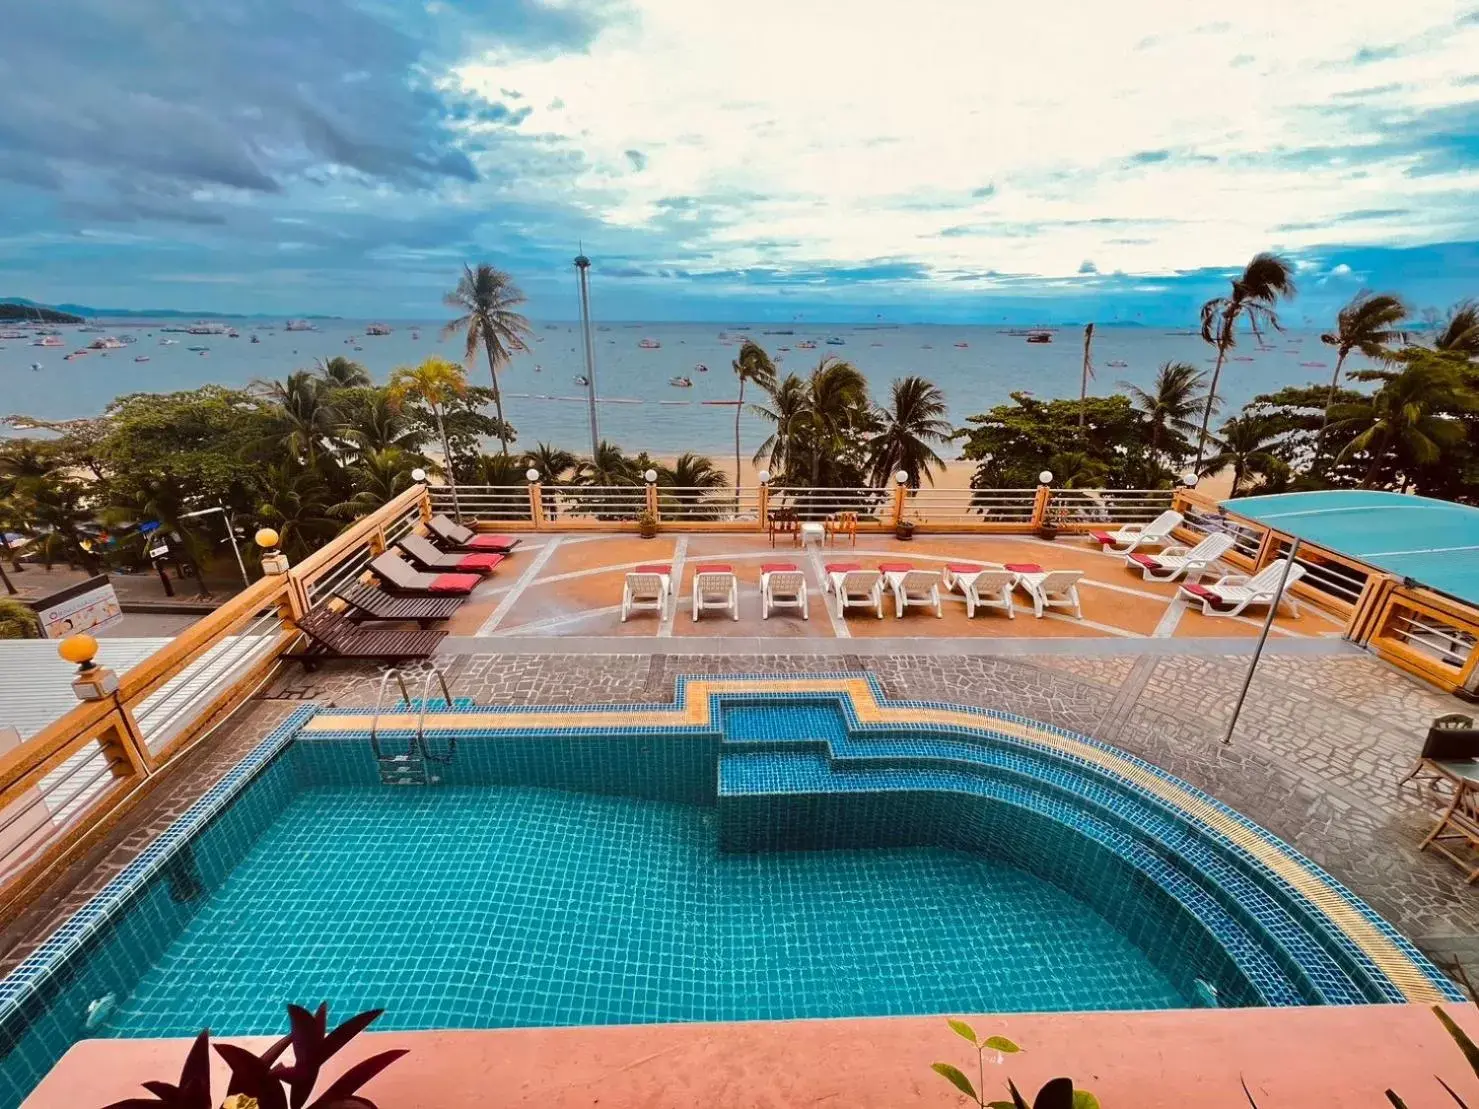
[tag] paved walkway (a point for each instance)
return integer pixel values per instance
(1323, 742)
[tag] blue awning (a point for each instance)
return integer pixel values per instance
(1435, 543)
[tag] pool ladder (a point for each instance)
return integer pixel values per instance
(409, 768)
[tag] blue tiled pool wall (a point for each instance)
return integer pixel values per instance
(1286, 947)
(53, 1016)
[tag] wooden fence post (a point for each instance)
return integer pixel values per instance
(423, 503)
(764, 501)
(1267, 549)
(652, 500)
(901, 491)
(1040, 505)
(536, 504)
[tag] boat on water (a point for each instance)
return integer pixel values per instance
(649, 344)
(926, 346)
(74, 354)
(834, 341)
(299, 325)
(13, 335)
(1314, 365)
(105, 343)
(202, 328)
(142, 358)
(169, 342)
(957, 344)
(378, 329)
(197, 350)
(1117, 364)
(1242, 358)
(783, 331)
(415, 334)
(581, 379)
(256, 339)
(1040, 337)
(807, 344)
(701, 368)
(782, 348)
(48, 341)
(681, 382)
(90, 328)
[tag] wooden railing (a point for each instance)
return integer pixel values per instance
(66, 786)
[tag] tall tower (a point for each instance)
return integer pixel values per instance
(582, 276)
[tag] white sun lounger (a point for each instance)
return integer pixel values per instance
(715, 587)
(647, 590)
(782, 585)
(1231, 593)
(1052, 589)
(1174, 562)
(857, 589)
(982, 587)
(915, 587)
(1133, 536)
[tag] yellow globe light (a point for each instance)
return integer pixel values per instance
(267, 539)
(80, 648)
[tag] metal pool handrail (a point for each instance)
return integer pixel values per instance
(379, 699)
(421, 722)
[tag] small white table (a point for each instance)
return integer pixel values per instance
(813, 531)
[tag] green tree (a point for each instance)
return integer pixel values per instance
(435, 384)
(1078, 470)
(1013, 443)
(1460, 331)
(18, 621)
(296, 503)
(753, 364)
(1294, 416)
(1249, 446)
(305, 409)
(378, 476)
(339, 372)
(1265, 281)
(836, 421)
(1408, 423)
(1169, 406)
(371, 421)
(488, 299)
(609, 467)
(685, 480)
(553, 463)
(1367, 324)
(786, 413)
(912, 421)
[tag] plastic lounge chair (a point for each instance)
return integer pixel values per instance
(782, 585)
(920, 588)
(1231, 593)
(647, 589)
(369, 602)
(857, 588)
(425, 555)
(1133, 536)
(399, 576)
(982, 587)
(1049, 588)
(832, 569)
(1173, 562)
(715, 587)
(458, 538)
(333, 636)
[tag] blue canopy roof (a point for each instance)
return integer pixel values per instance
(1435, 543)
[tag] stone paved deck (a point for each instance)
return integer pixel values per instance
(1323, 742)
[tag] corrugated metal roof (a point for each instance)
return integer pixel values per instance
(36, 684)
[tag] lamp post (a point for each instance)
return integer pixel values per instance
(582, 273)
(230, 534)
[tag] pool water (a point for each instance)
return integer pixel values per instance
(495, 907)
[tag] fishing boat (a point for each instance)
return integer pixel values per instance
(834, 341)
(649, 344)
(581, 379)
(1040, 337)
(74, 354)
(197, 350)
(142, 358)
(35, 366)
(169, 342)
(681, 382)
(807, 344)
(701, 368)
(256, 339)
(378, 329)
(961, 345)
(232, 333)
(1117, 364)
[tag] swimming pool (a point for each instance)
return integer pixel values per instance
(760, 850)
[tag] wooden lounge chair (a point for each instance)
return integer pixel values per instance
(1231, 593)
(369, 602)
(982, 587)
(1173, 562)
(399, 576)
(647, 589)
(920, 588)
(1133, 536)
(455, 537)
(332, 635)
(782, 585)
(1049, 588)
(856, 588)
(425, 555)
(715, 587)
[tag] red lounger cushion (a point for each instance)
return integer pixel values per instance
(655, 568)
(963, 568)
(1024, 567)
(777, 567)
(1146, 560)
(842, 567)
(454, 583)
(1203, 592)
(1103, 537)
(715, 568)
(491, 542)
(895, 567)
(480, 561)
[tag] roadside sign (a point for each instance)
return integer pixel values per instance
(86, 606)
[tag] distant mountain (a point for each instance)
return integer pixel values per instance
(34, 313)
(148, 313)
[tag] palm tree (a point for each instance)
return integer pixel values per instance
(1078, 470)
(339, 372)
(609, 467)
(836, 406)
(1083, 388)
(1365, 324)
(379, 476)
(487, 297)
(1266, 279)
(552, 462)
(374, 422)
(1408, 420)
(686, 478)
(753, 364)
(787, 413)
(1170, 403)
(295, 502)
(1460, 332)
(436, 383)
(57, 504)
(1247, 446)
(307, 413)
(912, 421)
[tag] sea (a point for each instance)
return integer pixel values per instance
(643, 403)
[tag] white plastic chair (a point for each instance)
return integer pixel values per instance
(1133, 536)
(1053, 589)
(645, 591)
(1235, 592)
(857, 589)
(783, 589)
(982, 587)
(1174, 562)
(920, 588)
(715, 588)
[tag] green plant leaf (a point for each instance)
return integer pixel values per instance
(1466, 1045)
(1082, 1099)
(1001, 1105)
(963, 1030)
(956, 1078)
(1003, 1045)
(1057, 1093)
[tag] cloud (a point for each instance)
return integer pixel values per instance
(985, 192)
(1087, 267)
(637, 159)
(1149, 157)
(1368, 54)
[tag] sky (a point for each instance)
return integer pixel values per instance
(947, 160)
